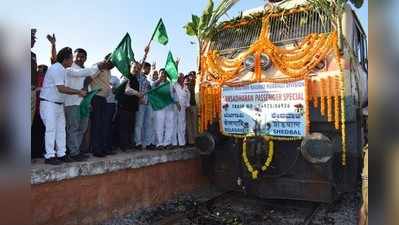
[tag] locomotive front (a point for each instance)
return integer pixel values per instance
(280, 105)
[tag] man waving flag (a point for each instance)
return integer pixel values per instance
(160, 97)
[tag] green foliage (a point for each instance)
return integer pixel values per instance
(192, 27)
(205, 26)
(206, 15)
(357, 3)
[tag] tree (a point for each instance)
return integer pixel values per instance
(204, 27)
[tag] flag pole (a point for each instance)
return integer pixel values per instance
(149, 43)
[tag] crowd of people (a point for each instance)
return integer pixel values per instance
(117, 120)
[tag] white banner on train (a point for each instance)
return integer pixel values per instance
(275, 109)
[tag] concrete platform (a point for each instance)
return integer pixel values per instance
(88, 193)
(43, 173)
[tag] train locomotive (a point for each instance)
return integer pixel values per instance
(281, 92)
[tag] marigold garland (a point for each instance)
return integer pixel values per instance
(337, 103)
(269, 156)
(253, 171)
(295, 63)
(307, 103)
(329, 99)
(322, 97)
(343, 110)
(315, 97)
(250, 168)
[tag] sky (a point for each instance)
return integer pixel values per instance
(98, 26)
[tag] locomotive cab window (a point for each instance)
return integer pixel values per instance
(359, 44)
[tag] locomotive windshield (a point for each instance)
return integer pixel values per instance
(284, 29)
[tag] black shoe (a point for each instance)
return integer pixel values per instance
(100, 155)
(151, 147)
(66, 159)
(170, 147)
(110, 153)
(84, 155)
(53, 161)
(79, 158)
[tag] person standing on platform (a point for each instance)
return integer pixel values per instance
(166, 124)
(128, 104)
(52, 106)
(182, 96)
(110, 111)
(141, 137)
(76, 126)
(98, 116)
(192, 113)
(160, 117)
(38, 129)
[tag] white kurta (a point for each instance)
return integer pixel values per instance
(165, 125)
(182, 96)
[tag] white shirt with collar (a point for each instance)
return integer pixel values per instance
(55, 75)
(75, 77)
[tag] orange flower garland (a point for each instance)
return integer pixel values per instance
(315, 97)
(343, 111)
(329, 99)
(322, 97)
(337, 103)
(307, 103)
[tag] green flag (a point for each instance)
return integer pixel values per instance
(123, 55)
(160, 34)
(84, 108)
(160, 97)
(171, 68)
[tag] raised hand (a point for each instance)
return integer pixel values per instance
(178, 60)
(51, 39)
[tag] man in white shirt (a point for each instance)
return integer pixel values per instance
(75, 125)
(182, 96)
(52, 106)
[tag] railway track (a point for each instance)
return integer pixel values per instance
(233, 208)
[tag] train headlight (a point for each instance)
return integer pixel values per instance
(206, 143)
(317, 148)
(250, 63)
(265, 62)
